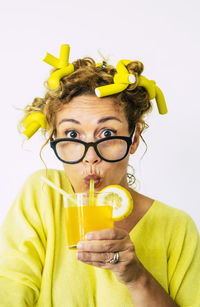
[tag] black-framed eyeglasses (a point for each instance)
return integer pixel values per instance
(110, 149)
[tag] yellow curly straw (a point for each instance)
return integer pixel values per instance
(64, 68)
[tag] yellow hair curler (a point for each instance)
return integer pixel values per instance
(154, 93)
(64, 68)
(122, 79)
(99, 64)
(161, 103)
(33, 122)
(110, 89)
(54, 79)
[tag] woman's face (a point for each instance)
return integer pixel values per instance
(89, 118)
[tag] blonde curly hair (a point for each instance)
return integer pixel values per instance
(83, 81)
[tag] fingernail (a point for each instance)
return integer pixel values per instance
(79, 256)
(88, 236)
(79, 245)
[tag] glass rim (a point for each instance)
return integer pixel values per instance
(77, 199)
(87, 193)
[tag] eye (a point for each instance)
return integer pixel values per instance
(108, 132)
(71, 134)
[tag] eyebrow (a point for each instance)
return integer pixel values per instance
(102, 120)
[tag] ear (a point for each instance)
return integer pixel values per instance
(136, 140)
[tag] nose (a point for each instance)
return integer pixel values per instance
(91, 156)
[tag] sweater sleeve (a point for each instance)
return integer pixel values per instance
(184, 263)
(22, 251)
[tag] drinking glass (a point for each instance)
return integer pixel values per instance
(84, 213)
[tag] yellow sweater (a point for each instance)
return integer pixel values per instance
(37, 269)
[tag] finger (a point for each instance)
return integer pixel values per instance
(101, 246)
(107, 234)
(101, 257)
(98, 264)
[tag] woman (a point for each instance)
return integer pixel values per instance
(151, 258)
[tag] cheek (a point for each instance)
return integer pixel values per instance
(119, 169)
(71, 170)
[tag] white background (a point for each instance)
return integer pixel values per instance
(164, 35)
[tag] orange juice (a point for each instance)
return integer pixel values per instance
(83, 219)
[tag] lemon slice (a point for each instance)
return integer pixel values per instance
(119, 197)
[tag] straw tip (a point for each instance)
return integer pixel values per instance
(92, 185)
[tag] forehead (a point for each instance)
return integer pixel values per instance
(84, 108)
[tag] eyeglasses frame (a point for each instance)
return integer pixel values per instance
(129, 141)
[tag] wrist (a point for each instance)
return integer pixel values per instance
(141, 282)
(146, 291)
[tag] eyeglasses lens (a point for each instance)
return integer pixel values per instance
(113, 149)
(70, 151)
